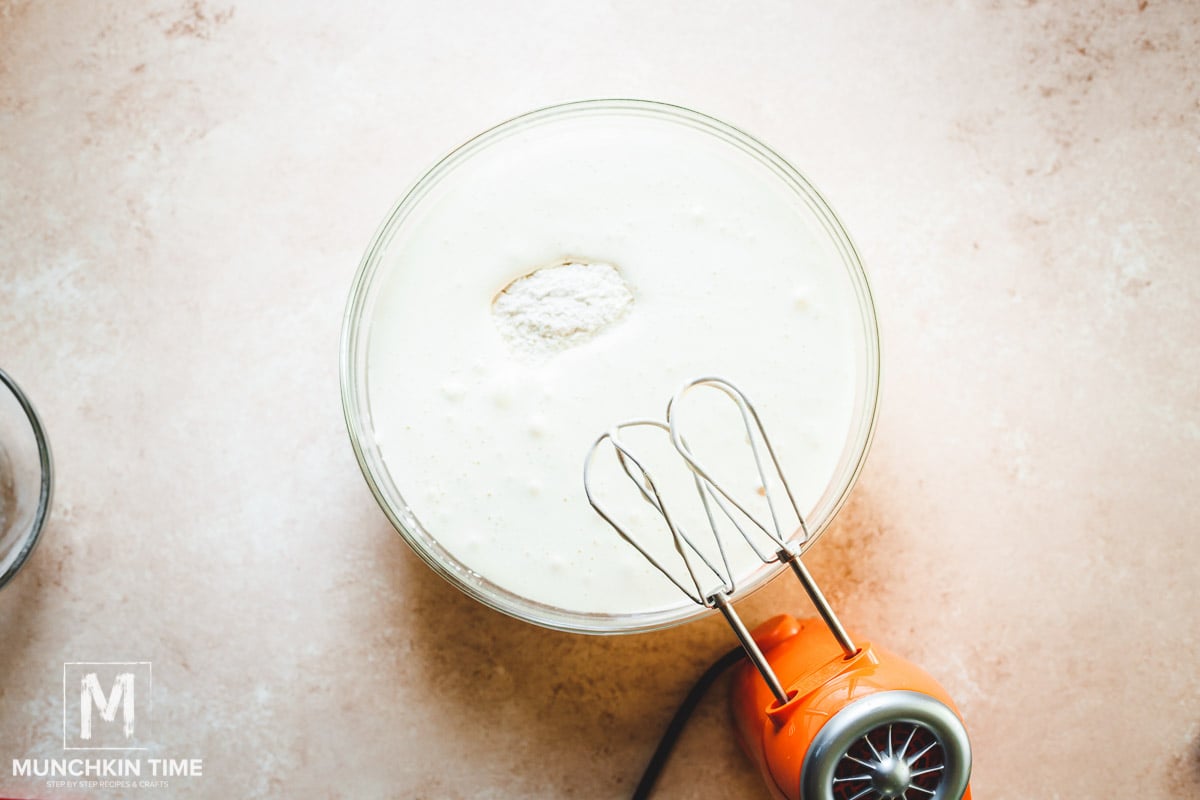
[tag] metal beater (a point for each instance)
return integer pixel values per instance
(714, 495)
(862, 723)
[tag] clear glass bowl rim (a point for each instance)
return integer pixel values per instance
(46, 489)
(356, 409)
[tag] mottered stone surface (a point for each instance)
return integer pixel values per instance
(185, 192)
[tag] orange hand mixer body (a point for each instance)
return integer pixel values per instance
(822, 717)
(903, 737)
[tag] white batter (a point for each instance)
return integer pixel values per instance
(727, 275)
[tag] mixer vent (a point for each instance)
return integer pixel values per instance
(896, 761)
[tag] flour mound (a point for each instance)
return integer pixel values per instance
(558, 307)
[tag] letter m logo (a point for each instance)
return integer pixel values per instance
(92, 695)
(105, 705)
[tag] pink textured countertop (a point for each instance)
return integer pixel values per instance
(185, 192)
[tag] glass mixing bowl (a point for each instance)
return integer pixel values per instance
(26, 478)
(355, 343)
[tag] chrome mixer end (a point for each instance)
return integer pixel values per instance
(897, 744)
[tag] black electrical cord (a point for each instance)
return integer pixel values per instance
(671, 735)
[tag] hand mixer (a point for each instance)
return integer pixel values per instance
(823, 717)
